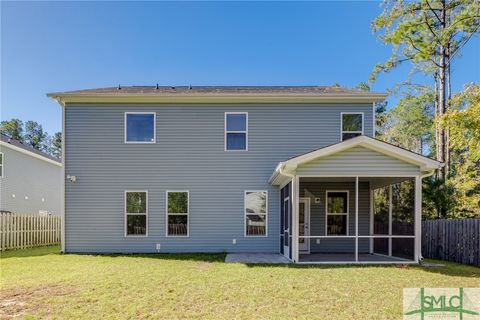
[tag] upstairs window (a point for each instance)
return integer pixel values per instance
(136, 207)
(177, 213)
(1, 165)
(256, 213)
(139, 127)
(236, 131)
(352, 125)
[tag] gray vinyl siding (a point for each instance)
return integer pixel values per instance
(27, 176)
(358, 160)
(314, 190)
(188, 155)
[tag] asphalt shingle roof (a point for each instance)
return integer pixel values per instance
(26, 147)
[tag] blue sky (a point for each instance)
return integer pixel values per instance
(57, 46)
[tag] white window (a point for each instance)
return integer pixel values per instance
(336, 218)
(352, 125)
(236, 131)
(140, 127)
(136, 213)
(1, 164)
(256, 212)
(177, 213)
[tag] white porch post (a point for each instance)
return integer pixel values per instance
(372, 217)
(390, 214)
(356, 219)
(418, 218)
(295, 222)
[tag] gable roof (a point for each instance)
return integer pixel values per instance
(221, 94)
(6, 141)
(424, 163)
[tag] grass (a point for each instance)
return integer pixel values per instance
(40, 283)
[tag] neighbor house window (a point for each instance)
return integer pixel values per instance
(136, 211)
(337, 213)
(177, 213)
(236, 131)
(139, 127)
(256, 212)
(352, 125)
(1, 164)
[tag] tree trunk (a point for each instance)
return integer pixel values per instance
(442, 98)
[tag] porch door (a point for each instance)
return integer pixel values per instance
(304, 225)
(286, 227)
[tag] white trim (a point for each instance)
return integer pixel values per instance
(372, 218)
(177, 214)
(286, 210)
(337, 214)
(154, 127)
(359, 262)
(254, 214)
(380, 236)
(136, 214)
(2, 170)
(30, 153)
(357, 131)
(225, 132)
(418, 219)
(390, 215)
(424, 163)
(356, 219)
(295, 221)
(307, 206)
(64, 98)
(62, 186)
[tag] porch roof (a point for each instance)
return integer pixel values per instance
(395, 160)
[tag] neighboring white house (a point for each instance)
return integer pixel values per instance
(30, 180)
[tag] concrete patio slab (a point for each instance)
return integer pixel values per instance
(247, 258)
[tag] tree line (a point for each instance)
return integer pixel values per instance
(430, 119)
(32, 134)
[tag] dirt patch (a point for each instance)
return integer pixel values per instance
(203, 266)
(16, 302)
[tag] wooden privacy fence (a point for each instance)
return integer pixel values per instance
(455, 240)
(19, 231)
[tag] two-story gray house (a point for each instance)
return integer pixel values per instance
(30, 180)
(289, 170)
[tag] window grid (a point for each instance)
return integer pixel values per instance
(255, 214)
(236, 131)
(127, 214)
(342, 132)
(173, 214)
(327, 213)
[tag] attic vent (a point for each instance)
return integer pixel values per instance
(119, 87)
(156, 88)
(189, 87)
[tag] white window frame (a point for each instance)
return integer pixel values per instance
(177, 214)
(136, 214)
(227, 131)
(154, 128)
(2, 172)
(337, 214)
(245, 214)
(341, 124)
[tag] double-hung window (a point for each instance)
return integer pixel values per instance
(256, 211)
(136, 211)
(140, 127)
(236, 131)
(337, 213)
(352, 125)
(177, 213)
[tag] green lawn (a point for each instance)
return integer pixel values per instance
(40, 283)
